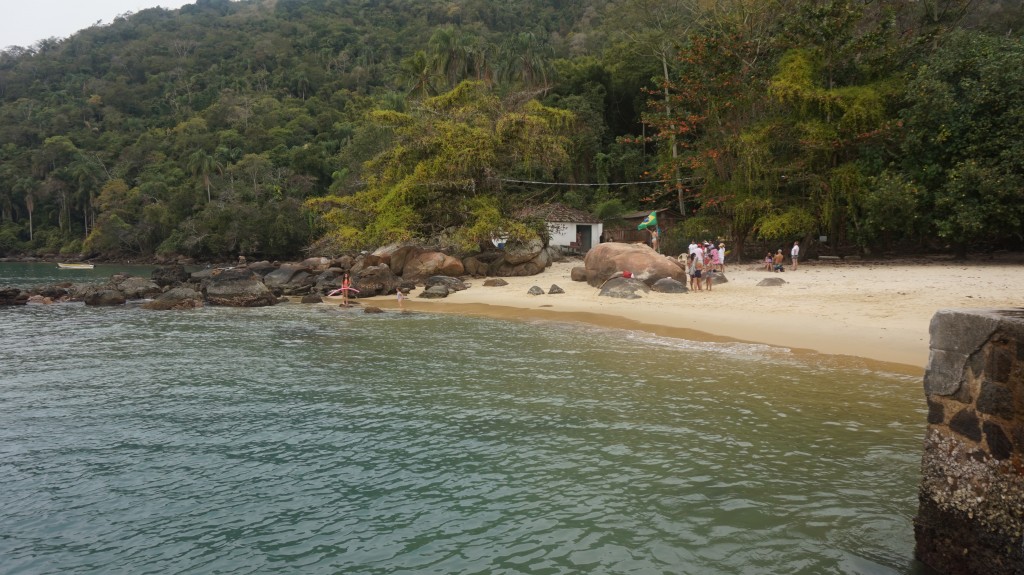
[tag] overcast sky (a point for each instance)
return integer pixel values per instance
(25, 22)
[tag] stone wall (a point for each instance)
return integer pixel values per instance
(971, 513)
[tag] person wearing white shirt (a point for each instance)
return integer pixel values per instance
(795, 253)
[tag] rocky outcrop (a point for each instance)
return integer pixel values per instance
(375, 280)
(181, 297)
(504, 267)
(290, 279)
(134, 287)
(12, 296)
(624, 288)
(453, 284)
(971, 500)
(421, 266)
(236, 287)
(606, 260)
(517, 253)
(102, 296)
(669, 285)
(170, 275)
(435, 292)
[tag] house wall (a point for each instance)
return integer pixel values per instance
(563, 235)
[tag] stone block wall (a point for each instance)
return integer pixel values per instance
(971, 500)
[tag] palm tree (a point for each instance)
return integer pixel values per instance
(418, 73)
(451, 53)
(202, 164)
(525, 58)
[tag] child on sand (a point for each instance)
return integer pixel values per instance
(768, 262)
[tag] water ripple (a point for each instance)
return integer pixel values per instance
(301, 439)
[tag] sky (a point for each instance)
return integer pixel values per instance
(25, 22)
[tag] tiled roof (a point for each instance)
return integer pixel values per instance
(556, 212)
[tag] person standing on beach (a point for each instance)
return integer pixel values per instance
(401, 298)
(795, 253)
(346, 284)
(777, 261)
(691, 270)
(721, 256)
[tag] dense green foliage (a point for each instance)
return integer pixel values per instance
(277, 128)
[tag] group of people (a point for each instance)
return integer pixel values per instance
(703, 259)
(776, 262)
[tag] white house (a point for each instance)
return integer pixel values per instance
(570, 229)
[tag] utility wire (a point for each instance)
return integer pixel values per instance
(581, 185)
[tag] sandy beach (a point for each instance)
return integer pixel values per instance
(873, 310)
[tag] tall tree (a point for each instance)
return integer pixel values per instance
(202, 164)
(963, 145)
(441, 175)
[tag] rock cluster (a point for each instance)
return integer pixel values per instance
(262, 283)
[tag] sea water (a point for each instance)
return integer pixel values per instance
(315, 439)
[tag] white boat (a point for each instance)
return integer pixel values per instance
(64, 266)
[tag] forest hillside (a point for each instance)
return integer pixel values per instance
(285, 128)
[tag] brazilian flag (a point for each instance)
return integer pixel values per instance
(651, 221)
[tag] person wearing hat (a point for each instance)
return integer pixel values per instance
(721, 256)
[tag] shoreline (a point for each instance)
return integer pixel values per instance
(868, 313)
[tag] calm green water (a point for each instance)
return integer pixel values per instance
(310, 439)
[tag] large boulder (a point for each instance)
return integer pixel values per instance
(284, 274)
(169, 275)
(290, 279)
(505, 268)
(12, 296)
(102, 295)
(236, 287)
(395, 255)
(262, 267)
(435, 292)
(604, 261)
(521, 252)
(624, 288)
(670, 285)
(181, 297)
(479, 265)
(328, 280)
(316, 264)
(453, 284)
(421, 266)
(134, 287)
(57, 292)
(376, 280)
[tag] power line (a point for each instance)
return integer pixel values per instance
(581, 184)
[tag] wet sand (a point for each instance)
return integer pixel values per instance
(875, 311)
